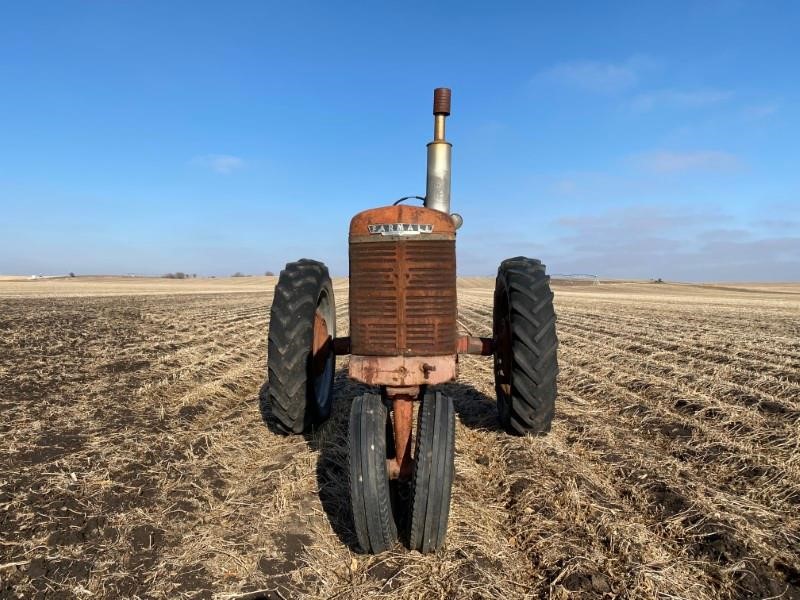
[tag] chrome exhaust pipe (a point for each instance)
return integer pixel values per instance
(437, 188)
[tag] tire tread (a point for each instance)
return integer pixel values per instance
(432, 480)
(291, 331)
(370, 495)
(534, 346)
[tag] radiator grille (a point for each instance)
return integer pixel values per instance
(403, 297)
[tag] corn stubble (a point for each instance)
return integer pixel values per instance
(134, 461)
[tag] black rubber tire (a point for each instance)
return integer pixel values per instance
(296, 397)
(432, 479)
(526, 371)
(370, 495)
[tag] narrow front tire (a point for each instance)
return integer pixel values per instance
(432, 479)
(370, 494)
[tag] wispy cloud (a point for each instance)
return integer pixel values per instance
(761, 111)
(642, 219)
(224, 164)
(782, 224)
(673, 242)
(682, 99)
(664, 161)
(564, 186)
(598, 76)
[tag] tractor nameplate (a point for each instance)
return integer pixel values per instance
(400, 228)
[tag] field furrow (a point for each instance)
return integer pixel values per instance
(138, 460)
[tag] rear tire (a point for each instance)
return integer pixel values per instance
(370, 495)
(525, 359)
(300, 382)
(432, 480)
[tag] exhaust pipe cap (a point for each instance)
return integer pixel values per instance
(441, 101)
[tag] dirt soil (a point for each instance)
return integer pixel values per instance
(135, 462)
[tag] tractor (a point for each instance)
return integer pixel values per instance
(404, 341)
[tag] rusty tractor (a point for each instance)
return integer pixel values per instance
(404, 341)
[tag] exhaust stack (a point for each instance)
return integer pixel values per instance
(437, 188)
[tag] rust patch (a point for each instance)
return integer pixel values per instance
(403, 287)
(403, 414)
(322, 344)
(481, 346)
(402, 371)
(413, 215)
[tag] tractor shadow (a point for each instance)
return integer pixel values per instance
(475, 409)
(330, 441)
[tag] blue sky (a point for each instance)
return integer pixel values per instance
(622, 139)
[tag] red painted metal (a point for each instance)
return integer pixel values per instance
(443, 227)
(402, 286)
(406, 391)
(322, 344)
(502, 360)
(403, 415)
(482, 346)
(401, 371)
(441, 101)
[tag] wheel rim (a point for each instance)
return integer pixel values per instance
(503, 354)
(322, 357)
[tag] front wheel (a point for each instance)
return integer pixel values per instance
(370, 492)
(525, 360)
(432, 478)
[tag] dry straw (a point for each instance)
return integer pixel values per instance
(134, 461)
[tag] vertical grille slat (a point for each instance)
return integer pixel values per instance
(403, 297)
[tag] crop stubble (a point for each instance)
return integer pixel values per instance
(134, 460)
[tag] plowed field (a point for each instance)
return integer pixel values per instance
(135, 463)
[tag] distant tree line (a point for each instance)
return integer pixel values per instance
(182, 275)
